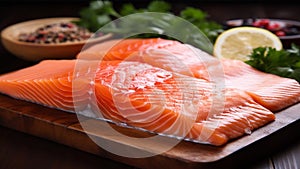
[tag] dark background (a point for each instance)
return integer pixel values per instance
(12, 11)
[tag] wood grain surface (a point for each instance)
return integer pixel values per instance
(64, 128)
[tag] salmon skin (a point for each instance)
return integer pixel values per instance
(271, 91)
(140, 95)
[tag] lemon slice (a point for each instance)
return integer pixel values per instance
(238, 43)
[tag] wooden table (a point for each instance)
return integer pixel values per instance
(21, 150)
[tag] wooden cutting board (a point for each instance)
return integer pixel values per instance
(64, 128)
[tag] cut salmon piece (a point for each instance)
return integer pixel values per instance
(271, 91)
(116, 49)
(140, 95)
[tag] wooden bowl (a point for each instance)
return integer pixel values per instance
(286, 40)
(35, 52)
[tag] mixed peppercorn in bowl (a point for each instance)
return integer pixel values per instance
(56, 33)
(49, 38)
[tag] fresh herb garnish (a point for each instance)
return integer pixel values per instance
(96, 15)
(199, 18)
(154, 6)
(285, 63)
(100, 13)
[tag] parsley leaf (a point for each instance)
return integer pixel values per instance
(159, 6)
(96, 15)
(199, 18)
(285, 63)
(154, 6)
(100, 13)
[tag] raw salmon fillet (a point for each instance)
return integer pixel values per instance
(140, 95)
(271, 91)
(117, 49)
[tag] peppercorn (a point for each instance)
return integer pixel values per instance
(56, 33)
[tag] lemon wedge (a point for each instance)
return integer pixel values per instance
(238, 43)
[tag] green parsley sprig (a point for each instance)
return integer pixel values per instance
(97, 14)
(200, 19)
(100, 13)
(285, 63)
